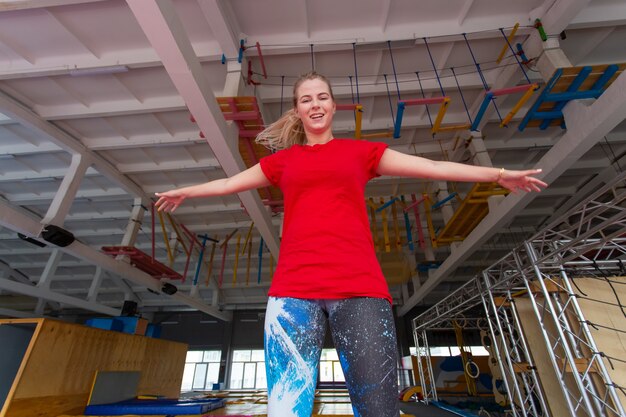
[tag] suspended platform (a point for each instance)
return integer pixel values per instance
(140, 260)
(468, 215)
(572, 83)
(244, 111)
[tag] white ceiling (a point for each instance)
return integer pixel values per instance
(114, 83)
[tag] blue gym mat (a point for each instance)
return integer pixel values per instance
(156, 407)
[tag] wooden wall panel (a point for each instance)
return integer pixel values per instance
(600, 306)
(60, 365)
(550, 384)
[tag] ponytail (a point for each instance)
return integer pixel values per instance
(283, 133)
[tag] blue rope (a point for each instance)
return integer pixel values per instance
(200, 256)
(461, 93)
(356, 73)
(312, 59)
(515, 55)
(493, 100)
(424, 96)
(393, 118)
(434, 67)
(480, 72)
(393, 66)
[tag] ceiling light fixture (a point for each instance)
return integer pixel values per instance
(115, 69)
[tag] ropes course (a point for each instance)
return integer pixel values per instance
(355, 82)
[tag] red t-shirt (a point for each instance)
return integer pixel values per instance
(327, 249)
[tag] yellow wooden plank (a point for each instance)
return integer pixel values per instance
(396, 227)
(373, 222)
(470, 213)
(236, 259)
(385, 227)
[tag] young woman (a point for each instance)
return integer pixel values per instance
(327, 270)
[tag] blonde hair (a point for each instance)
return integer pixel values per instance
(288, 129)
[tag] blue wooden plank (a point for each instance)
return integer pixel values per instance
(548, 115)
(407, 225)
(398, 124)
(573, 87)
(533, 110)
(577, 95)
(387, 204)
(481, 110)
(608, 73)
(444, 201)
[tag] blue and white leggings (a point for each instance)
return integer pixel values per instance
(364, 335)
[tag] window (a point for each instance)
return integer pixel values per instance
(330, 367)
(479, 351)
(440, 351)
(202, 368)
(248, 370)
(451, 351)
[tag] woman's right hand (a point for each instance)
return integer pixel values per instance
(170, 200)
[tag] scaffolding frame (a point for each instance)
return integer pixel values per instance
(585, 242)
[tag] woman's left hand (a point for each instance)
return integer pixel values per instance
(521, 180)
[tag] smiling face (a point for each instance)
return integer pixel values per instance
(315, 106)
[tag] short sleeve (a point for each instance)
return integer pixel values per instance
(273, 166)
(375, 151)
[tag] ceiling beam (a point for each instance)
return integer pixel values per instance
(167, 35)
(151, 166)
(13, 5)
(15, 220)
(15, 149)
(465, 9)
(32, 121)
(116, 142)
(47, 294)
(206, 52)
(7, 312)
(110, 108)
(7, 271)
(600, 14)
(223, 25)
(385, 6)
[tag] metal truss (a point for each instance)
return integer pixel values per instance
(588, 241)
(513, 355)
(424, 365)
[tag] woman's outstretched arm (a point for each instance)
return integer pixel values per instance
(400, 164)
(249, 179)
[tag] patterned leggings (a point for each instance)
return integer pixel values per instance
(364, 334)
